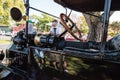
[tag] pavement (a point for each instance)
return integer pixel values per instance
(3, 46)
(2, 37)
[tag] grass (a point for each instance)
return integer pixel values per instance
(75, 65)
(5, 41)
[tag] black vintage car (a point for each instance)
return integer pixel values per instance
(86, 60)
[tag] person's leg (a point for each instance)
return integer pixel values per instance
(61, 64)
(64, 64)
(53, 60)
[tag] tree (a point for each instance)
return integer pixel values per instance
(95, 25)
(5, 6)
(42, 21)
(84, 25)
(80, 22)
(115, 27)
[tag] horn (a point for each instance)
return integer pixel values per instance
(16, 14)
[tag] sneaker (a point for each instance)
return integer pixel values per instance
(66, 70)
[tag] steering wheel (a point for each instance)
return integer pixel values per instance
(64, 20)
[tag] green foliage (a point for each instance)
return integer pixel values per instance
(84, 29)
(5, 6)
(75, 65)
(115, 28)
(45, 18)
(42, 21)
(83, 21)
(83, 25)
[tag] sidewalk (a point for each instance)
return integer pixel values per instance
(2, 37)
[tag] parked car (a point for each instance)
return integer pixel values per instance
(3, 33)
(8, 34)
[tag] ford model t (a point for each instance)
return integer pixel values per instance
(26, 57)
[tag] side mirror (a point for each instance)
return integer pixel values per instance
(16, 14)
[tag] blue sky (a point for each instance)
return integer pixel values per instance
(48, 6)
(53, 8)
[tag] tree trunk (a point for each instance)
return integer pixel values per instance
(95, 25)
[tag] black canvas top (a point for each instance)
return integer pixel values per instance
(88, 5)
